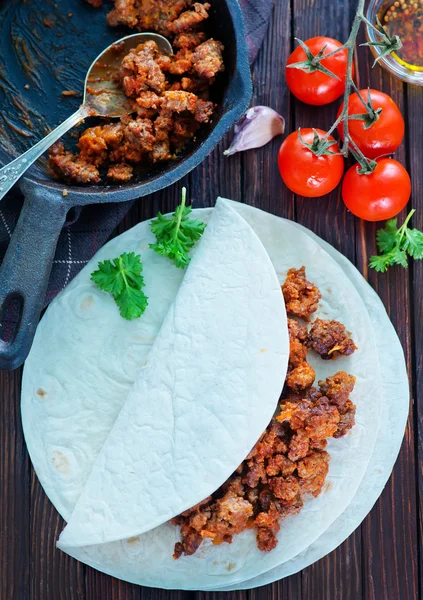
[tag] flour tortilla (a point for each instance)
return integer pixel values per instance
(147, 559)
(394, 414)
(206, 392)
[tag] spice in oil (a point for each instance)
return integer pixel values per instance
(405, 19)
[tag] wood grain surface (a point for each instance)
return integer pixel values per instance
(382, 559)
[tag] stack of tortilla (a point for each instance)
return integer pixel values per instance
(128, 424)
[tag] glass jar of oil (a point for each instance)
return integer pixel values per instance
(405, 19)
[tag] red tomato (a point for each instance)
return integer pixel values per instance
(318, 88)
(384, 135)
(380, 195)
(305, 173)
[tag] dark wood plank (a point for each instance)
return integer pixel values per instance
(290, 588)
(14, 493)
(262, 184)
(415, 153)
(391, 529)
(53, 573)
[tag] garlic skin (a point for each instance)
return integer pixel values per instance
(256, 128)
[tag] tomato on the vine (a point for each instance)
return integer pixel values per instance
(311, 85)
(305, 173)
(381, 130)
(379, 195)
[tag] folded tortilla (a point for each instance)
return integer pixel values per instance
(206, 392)
(147, 559)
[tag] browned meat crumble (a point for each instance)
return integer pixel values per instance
(290, 461)
(169, 94)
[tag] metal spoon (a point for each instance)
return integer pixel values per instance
(102, 98)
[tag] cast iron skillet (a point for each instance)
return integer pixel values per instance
(48, 46)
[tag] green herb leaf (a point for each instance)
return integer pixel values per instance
(176, 235)
(121, 277)
(396, 244)
(399, 257)
(380, 263)
(414, 243)
(387, 237)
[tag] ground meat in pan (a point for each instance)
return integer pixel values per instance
(208, 59)
(330, 339)
(72, 167)
(168, 94)
(120, 172)
(189, 19)
(189, 40)
(168, 17)
(301, 296)
(124, 13)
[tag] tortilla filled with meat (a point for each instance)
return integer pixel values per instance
(394, 414)
(318, 445)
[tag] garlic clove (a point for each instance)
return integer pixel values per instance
(256, 128)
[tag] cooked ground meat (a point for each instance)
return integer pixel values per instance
(347, 420)
(168, 94)
(338, 388)
(168, 17)
(179, 101)
(301, 377)
(149, 15)
(72, 167)
(287, 464)
(189, 40)
(297, 348)
(330, 339)
(161, 151)
(179, 64)
(301, 296)
(322, 421)
(124, 13)
(203, 111)
(208, 59)
(120, 172)
(140, 71)
(190, 18)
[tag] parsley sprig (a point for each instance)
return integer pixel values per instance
(121, 277)
(177, 234)
(397, 244)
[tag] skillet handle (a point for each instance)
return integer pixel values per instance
(26, 268)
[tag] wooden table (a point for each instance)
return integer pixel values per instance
(382, 560)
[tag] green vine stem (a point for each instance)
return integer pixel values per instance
(312, 63)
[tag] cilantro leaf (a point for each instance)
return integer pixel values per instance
(386, 238)
(176, 235)
(414, 243)
(396, 244)
(381, 262)
(399, 257)
(121, 277)
(132, 303)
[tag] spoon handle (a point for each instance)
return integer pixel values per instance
(13, 171)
